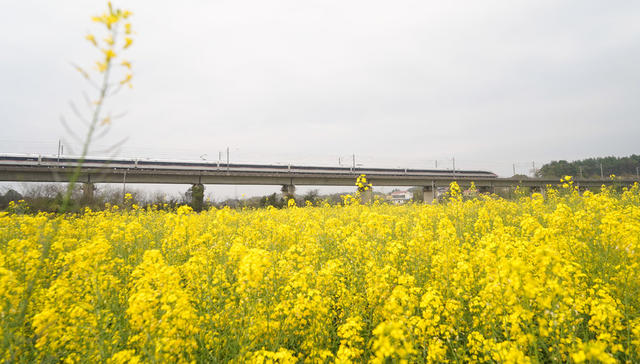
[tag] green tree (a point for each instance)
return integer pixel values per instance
(590, 167)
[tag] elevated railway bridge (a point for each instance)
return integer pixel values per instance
(37, 168)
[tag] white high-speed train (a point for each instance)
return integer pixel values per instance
(26, 160)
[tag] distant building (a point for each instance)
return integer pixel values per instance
(400, 197)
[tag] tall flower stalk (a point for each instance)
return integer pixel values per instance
(117, 39)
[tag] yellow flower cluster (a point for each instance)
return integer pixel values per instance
(540, 279)
(362, 183)
(118, 38)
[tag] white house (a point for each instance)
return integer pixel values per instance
(400, 197)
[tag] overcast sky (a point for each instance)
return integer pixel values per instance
(397, 83)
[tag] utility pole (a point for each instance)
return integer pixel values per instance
(353, 168)
(227, 159)
(601, 174)
(219, 158)
(436, 164)
(514, 169)
(533, 164)
(124, 185)
(637, 173)
(454, 165)
(580, 172)
(59, 146)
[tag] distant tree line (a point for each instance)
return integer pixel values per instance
(591, 167)
(49, 198)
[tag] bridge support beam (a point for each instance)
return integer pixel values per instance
(197, 196)
(428, 194)
(288, 191)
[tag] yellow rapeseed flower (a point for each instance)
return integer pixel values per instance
(91, 39)
(548, 278)
(109, 54)
(127, 79)
(102, 66)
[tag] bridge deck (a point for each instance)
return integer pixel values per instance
(48, 169)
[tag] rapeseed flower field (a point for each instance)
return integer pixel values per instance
(551, 278)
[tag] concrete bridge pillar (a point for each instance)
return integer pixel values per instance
(366, 196)
(288, 191)
(197, 196)
(428, 194)
(539, 189)
(485, 189)
(88, 190)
